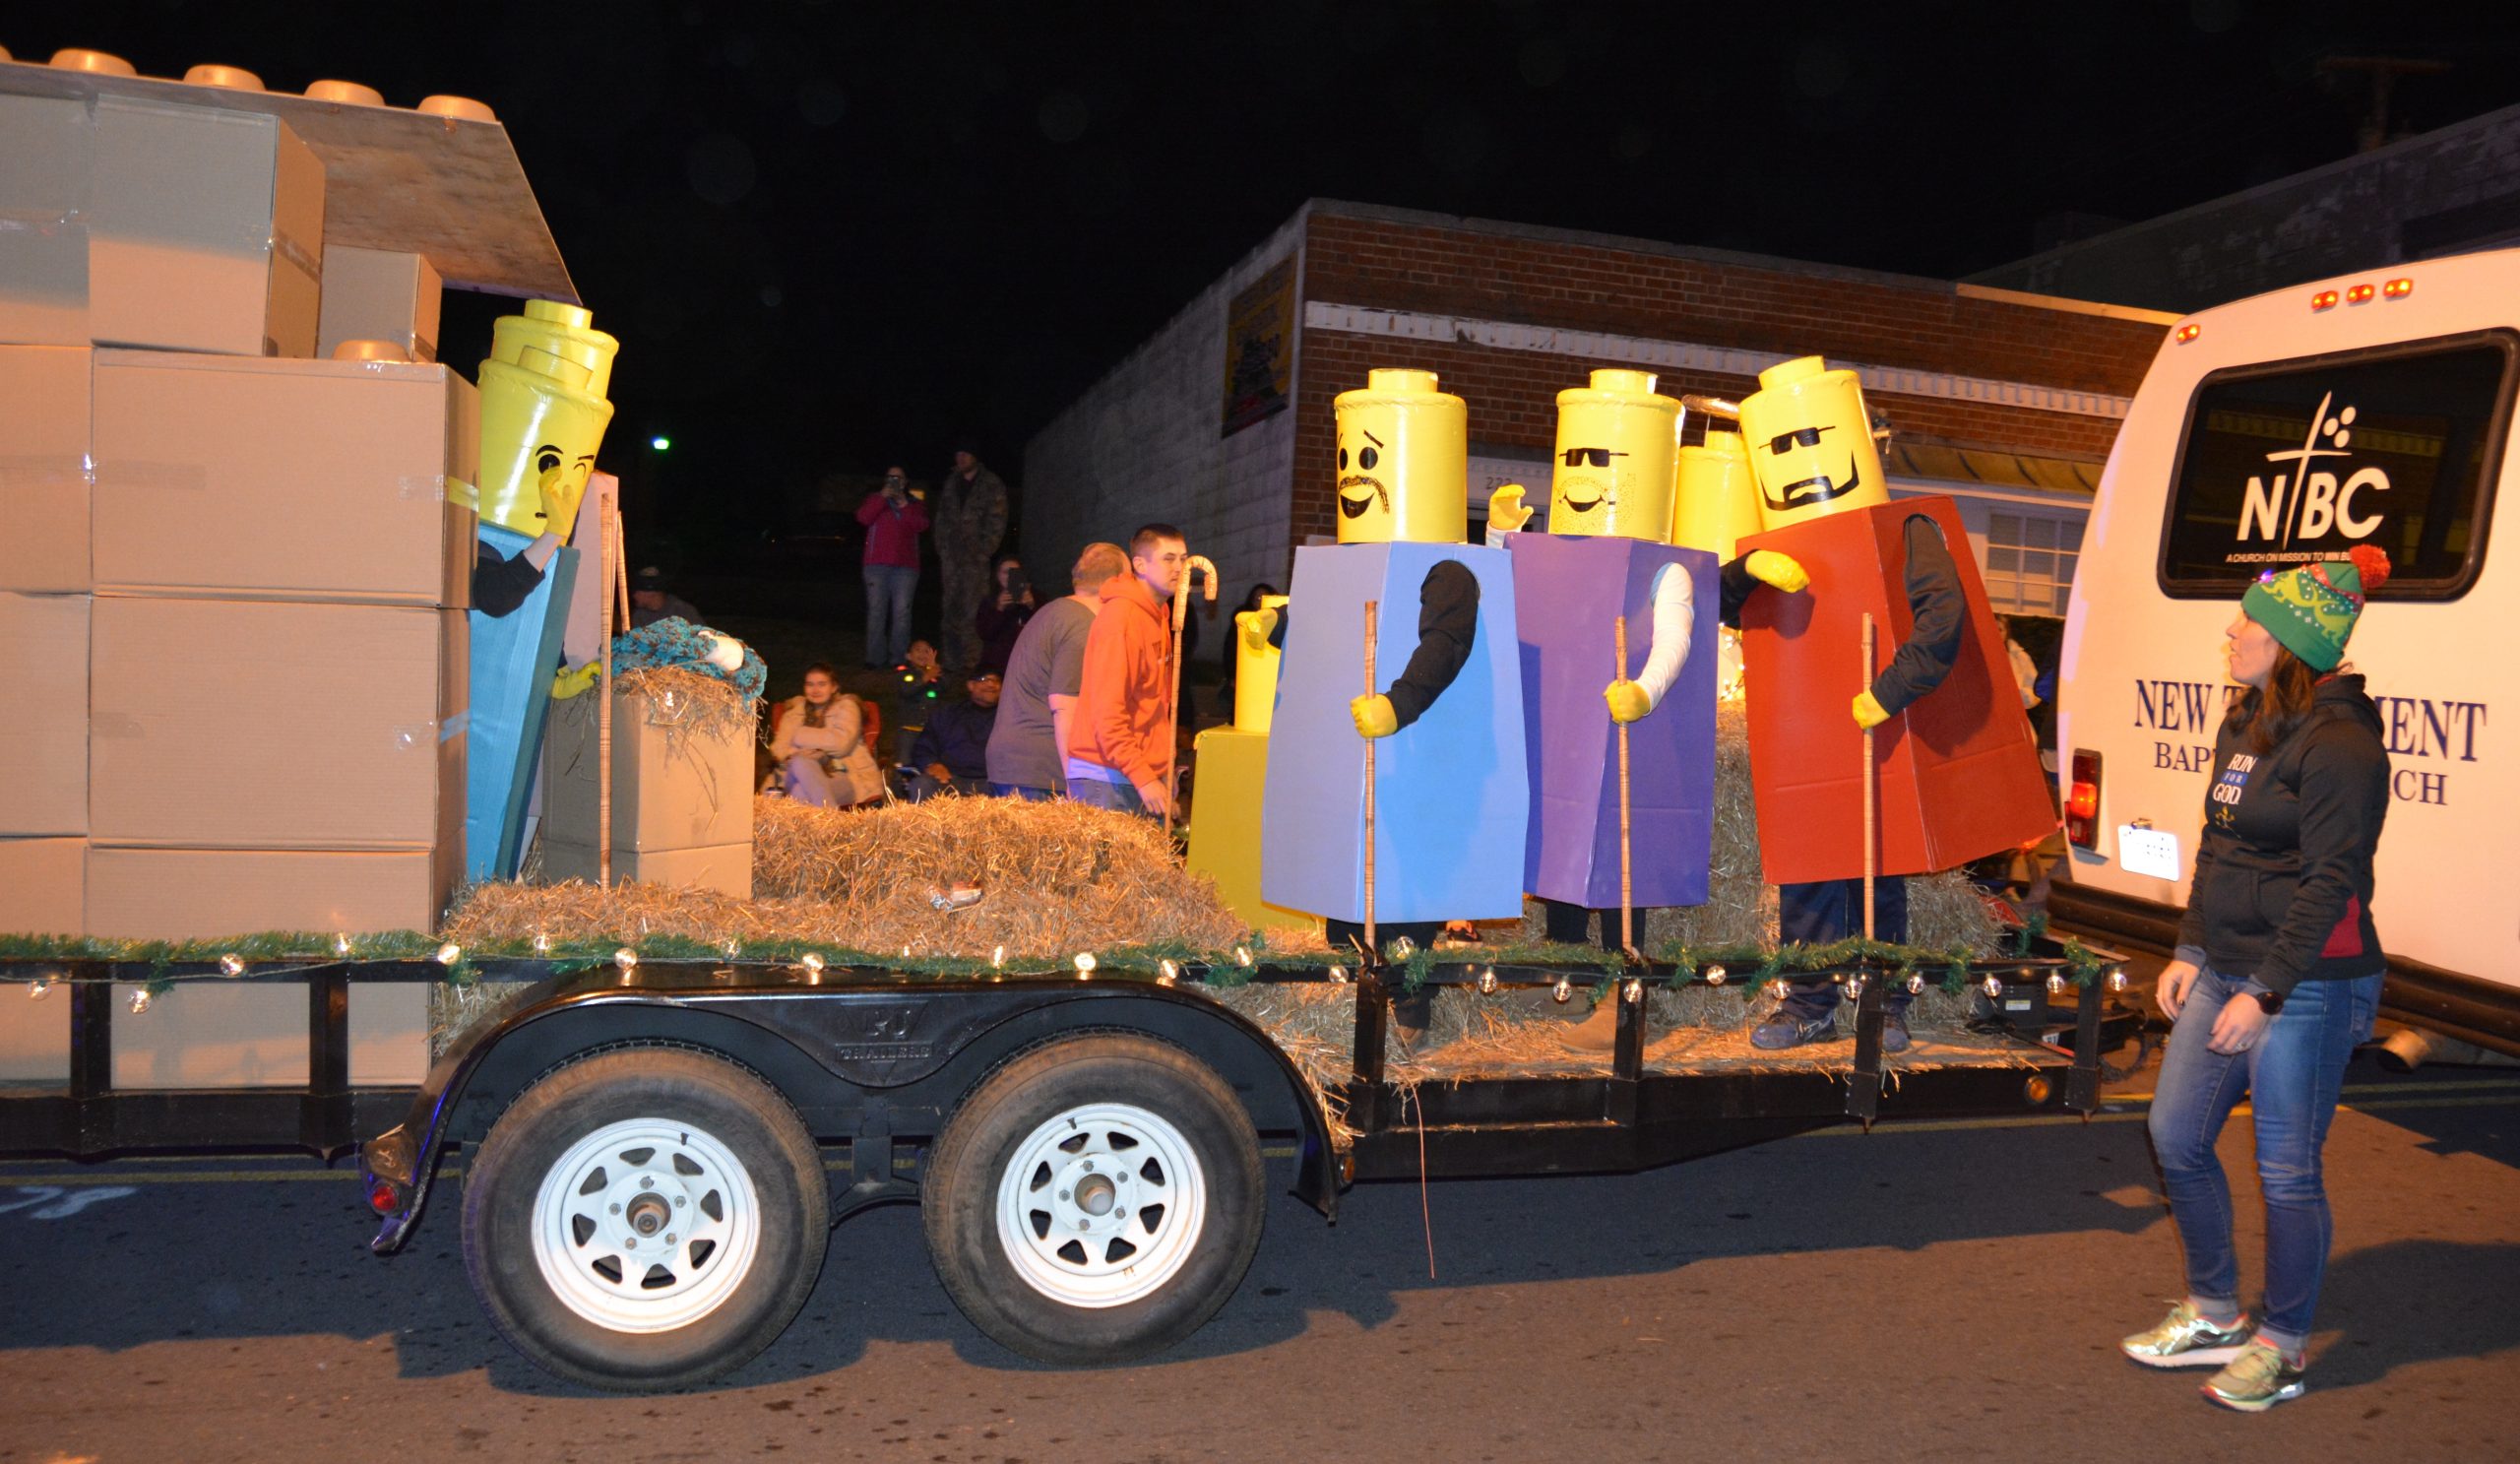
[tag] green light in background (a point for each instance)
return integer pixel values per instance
(661, 443)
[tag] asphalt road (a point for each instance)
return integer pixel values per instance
(1932, 1292)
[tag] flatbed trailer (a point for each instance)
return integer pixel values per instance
(647, 1189)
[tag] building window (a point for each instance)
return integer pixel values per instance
(2029, 562)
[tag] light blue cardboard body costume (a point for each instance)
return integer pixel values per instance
(1450, 790)
(514, 658)
(1569, 591)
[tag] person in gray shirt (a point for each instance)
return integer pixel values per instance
(1042, 673)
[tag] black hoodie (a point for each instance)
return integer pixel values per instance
(2282, 888)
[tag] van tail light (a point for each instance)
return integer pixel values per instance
(2189, 332)
(2396, 289)
(2325, 299)
(2082, 800)
(2361, 294)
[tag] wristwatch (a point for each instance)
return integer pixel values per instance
(2269, 1003)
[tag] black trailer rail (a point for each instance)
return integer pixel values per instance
(1628, 1117)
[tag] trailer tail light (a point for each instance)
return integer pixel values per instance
(2396, 289)
(2361, 294)
(2325, 299)
(2082, 800)
(2189, 332)
(382, 1199)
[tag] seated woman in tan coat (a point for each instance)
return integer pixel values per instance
(819, 742)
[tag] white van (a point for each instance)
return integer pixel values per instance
(2370, 408)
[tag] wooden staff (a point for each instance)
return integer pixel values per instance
(608, 554)
(1373, 616)
(1871, 793)
(1626, 865)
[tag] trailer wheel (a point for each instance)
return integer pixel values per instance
(648, 1218)
(1095, 1200)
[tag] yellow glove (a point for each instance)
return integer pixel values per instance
(1505, 510)
(1868, 712)
(1256, 627)
(569, 684)
(1375, 715)
(1769, 567)
(1627, 700)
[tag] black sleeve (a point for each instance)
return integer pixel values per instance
(1941, 613)
(1737, 583)
(499, 585)
(1447, 626)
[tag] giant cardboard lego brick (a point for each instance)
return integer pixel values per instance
(44, 886)
(726, 867)
(379, 294)
(676, 785)
(1568, 593)
(160, 226)
(264, 725)
(44, 463)
(200, 894)
(1450, 789)
(213, 1035)
(1225, 825)
(1959, 770)
(43, 721)
(338, 480)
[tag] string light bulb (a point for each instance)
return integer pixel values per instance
(625, 958)
(1779, 990)
(141, 1000)
(340, 945)
(1339, 975)
(2117, 977)
(1715, 976)
(542, 942)
(1168, 972)
(1242, 956)
(997, 958)
(1562, 992)
(1488, 980)
(733, 948)
(40, 988)
(1915, 985)
(1401, 948)
(1634, 991)
(1084, 964)
(812, 961)
(2055, 983)
(232, 964)
(449, 953)
(1994, 986)
(1856, 981)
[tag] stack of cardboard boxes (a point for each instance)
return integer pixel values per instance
(232, 576)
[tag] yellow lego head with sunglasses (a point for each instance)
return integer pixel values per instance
(1404, 461)
(1810, 443)
(1613, 471)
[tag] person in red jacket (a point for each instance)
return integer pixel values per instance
(894, 517)
(1119, 748)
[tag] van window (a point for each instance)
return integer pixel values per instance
(2304, 459)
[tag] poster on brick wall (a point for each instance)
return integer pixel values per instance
(1260, 348)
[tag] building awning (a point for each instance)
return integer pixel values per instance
(1992, 467)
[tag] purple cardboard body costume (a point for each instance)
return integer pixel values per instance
(1568, 589)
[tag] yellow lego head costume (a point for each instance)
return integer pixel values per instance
(1717, 502)
(1613, 473)
(542, 416)
(1810, 443)
(1404, 461)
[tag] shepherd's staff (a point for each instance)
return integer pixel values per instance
(1626, 866)
(608, 569)
(1373, 616)
(1871, 793)
(1193, 564)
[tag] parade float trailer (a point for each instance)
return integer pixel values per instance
(2374, 408)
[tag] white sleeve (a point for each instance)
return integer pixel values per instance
(1674, 621)
(1495, 537)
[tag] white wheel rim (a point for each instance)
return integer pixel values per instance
(1102, 1205)
(645, 1225)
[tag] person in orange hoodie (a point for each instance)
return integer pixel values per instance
(1119, 746)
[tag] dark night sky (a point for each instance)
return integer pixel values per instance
(833, 235)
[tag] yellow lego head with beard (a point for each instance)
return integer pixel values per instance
(1810, 443)
(1613, 473)
(1716, 503)
(1404, 461)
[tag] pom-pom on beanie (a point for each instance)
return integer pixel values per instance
(2310, 610)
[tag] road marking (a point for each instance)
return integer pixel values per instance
(59, 1203)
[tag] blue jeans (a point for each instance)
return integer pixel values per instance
(1021, 790)
(889, 588)
(1119, 796)
(2292, 1076)
(1826, 912)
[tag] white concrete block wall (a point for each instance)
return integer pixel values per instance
(1141, 444)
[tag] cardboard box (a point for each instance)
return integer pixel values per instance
(43, 888)
(229, 724)
(379, 294)
(185, 894)
(340, 480)
(213, 1035)
(388, 1033)
(158, 225)
(723, 866)
(44, 719)
(44, 463)
(673, 786)
(47, 164)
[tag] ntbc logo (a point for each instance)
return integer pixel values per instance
(2305, 501)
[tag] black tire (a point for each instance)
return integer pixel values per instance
(747, 1118)
(962, 1191)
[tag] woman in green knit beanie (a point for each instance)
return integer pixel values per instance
(2276, 976)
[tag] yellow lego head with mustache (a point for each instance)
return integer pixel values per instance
(1810, 443)
(1613, 473)
(1404, 461)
